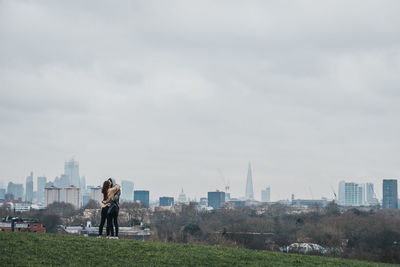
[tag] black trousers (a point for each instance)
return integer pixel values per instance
(112, 219)
(103, 219)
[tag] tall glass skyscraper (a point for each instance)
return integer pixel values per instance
(41, 185)
(249, 185)
(29, 188)
(126, 190)
(71, 170)
(390, 194)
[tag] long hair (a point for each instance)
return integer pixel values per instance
(104, 190)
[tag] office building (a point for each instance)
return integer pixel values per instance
(266, 194)
(41, 185)
(71, 171)
(216, 199)
(354, 194)
(166, 201)
(126, 190)
(83, 183)
(341, 193)
(142, 196)
(2, 194)
(96, 195)
(249, 185)
(390, 195)
(72, 195)
(17, 190)
(52, 194)
(371, 199)
(29, 188)
(86, 199)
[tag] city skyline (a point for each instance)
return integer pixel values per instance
(340, 196)
(168, 93)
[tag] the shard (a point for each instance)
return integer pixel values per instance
(249, 185)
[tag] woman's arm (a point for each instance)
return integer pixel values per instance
(114, 189)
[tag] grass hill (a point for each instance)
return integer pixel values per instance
(31, 249)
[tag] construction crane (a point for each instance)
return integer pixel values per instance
(225, 183)
(309, 188)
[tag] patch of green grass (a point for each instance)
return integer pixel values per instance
(32, 249)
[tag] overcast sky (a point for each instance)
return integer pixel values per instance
(170, 94)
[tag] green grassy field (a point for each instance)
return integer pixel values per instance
(31, 249)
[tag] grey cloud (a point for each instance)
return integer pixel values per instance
(167, 92)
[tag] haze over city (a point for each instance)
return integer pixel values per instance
(170, 95)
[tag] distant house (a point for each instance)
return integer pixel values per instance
(17, 224)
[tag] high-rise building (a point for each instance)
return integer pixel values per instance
(216, 199)
(17, 190)
(249, 185)
(85, 199)
(2, 194)
(95, 194)
(83, 183)
(29, 188)
(41, 185)
(370, 195)
(354, 194)
(71, 170)
(126, 190)
(182, 197)
(266, 194)
(142, 196)
(72, 195)
(166, 201)
(52, 194)
(390, 195)
(341, 193)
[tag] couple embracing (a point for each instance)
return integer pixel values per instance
(110, 208)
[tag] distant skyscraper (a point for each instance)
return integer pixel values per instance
(83, 183)
(52, 194)
(72, 195)
(95, 194)
(17, 190)
(249, 185)
(29, 188)
(354, 194)
(390, 195)
(2, 194)
(71, 170)
(182, 197)
(126, 190)
(142, 196)
(216, 199)
(166, 201)
(342, 193)
(41, 185)
(266, 194)
(370, 194)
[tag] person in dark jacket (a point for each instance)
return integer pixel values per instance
(114, 194)
(104, 208)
